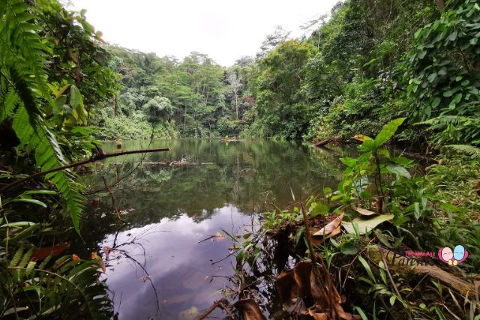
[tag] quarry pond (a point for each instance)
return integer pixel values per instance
(162, 221)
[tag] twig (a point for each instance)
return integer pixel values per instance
(206, 239)
(128, 173)
(76, 164)
(117, 213)
(223, 304)
(225, 258)
(219, 303)
(307, 236)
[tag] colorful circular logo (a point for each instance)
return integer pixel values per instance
(453, 257)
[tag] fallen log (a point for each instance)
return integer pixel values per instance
(405, 265)
(326, 141)
(231, 140)
(176, 163)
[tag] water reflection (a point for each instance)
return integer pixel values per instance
(154, 216)
(182, 270)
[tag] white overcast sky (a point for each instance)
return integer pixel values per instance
(223, 29)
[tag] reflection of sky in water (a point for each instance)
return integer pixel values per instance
(169, 209)
(179, 266)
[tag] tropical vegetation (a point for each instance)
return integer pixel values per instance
(403, 72)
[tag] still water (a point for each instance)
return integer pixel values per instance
(162, 230)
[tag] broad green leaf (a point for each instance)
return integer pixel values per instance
(318, 208)
(436, 102)
(453, 36)
(388, 131)
(399, 171)
(367, 145)
(392, 300)
(448, 93)
(349, 162)
(76, 98)
(349, 248)
(365, 225)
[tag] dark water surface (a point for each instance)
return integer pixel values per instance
(150, 224)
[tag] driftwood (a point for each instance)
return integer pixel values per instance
(231, 140)
(98, 157)
(176, 163)
(326, 141)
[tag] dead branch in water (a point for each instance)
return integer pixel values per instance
(223, 304)
(176, 163)
(98, 157)
(326, 141)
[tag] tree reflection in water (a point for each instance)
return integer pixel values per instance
(164, 211)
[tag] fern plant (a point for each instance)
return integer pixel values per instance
(25, 94)
(472, 151)
(67, 288)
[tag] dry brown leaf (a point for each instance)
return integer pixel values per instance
(317, 316)
(107, 251)
(250, 309)
(316, 241)
(303, 283)
(42, 253)
(365, 212)
(330, 227)
(360, 137)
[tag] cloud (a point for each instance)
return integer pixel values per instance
(225, 30)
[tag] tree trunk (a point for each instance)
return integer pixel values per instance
(115, 105)
(236, 104)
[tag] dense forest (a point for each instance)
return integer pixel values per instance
(359, 69)
(402, 73)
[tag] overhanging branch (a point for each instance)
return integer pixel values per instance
(98, 157)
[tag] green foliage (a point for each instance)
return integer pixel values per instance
(33, 285)
(198, 91)
(473, 152)
(52, 289)
(157, 109)
(443, 71)
(282, 108)
(375, 161)
(25, 77)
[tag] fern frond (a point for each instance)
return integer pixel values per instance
(64, 286)
(446, 120)
(23, 57)
(48, 156)
(472, 151)
(9, 102)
